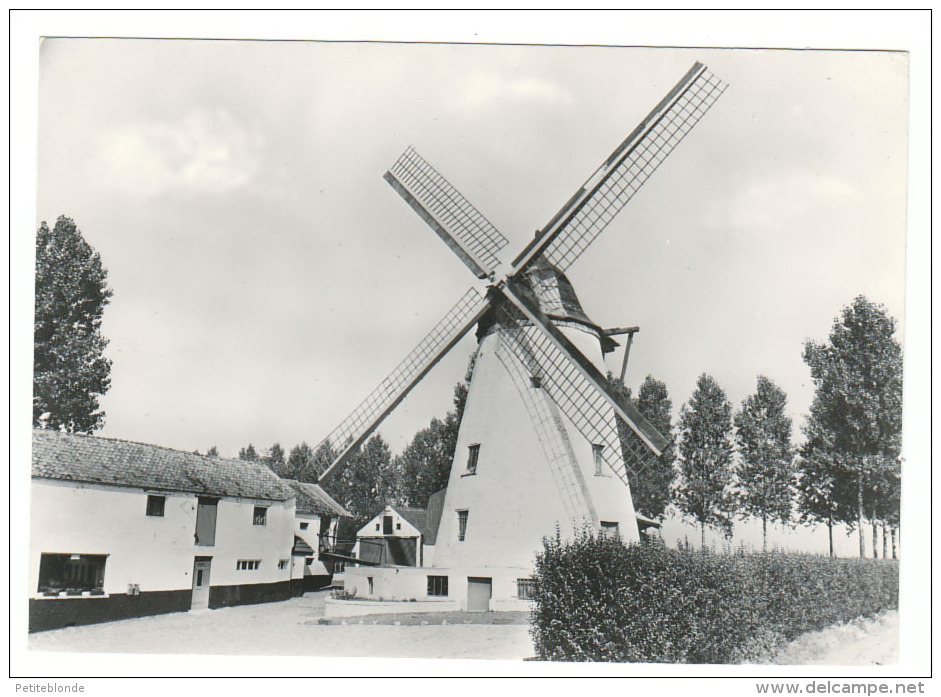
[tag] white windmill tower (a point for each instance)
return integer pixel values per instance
(538, 447)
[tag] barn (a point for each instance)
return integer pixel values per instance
(317, 517)
(122, 529)
(401, 536)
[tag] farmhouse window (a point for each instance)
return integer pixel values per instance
(461, 525)
(155, 505)
(387, 525)
(260, 516)
(71, 572)
(282, 563)
(473, 454)
(596, 450)
(247, 564)
(609, 529)
(206, 510)
(438, 585)
(308, 561)
(524, 588)
(377, 527)
(303, 526)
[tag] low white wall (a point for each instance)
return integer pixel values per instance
(358, 608)
(407, 583)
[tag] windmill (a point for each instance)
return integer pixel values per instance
(533, 355)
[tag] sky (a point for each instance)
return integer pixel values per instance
(266, 278)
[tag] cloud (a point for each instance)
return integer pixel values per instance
(772, 203)
(205, 151)
(483, 90)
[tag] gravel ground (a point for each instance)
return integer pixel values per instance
(288, 628)
(863, 642)
(294, 628)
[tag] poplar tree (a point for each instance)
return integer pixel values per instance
(857, 408)
(366, 483)
(70, 371)
(766, 473)
(274, 458)
(705, 455)
(653, 493)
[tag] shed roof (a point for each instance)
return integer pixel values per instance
(311, 498)
(415, 516)
(301, 546)
(92, 459)
(433, 516)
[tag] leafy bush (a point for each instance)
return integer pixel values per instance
(597, 600)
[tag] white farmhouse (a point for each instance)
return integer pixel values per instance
(317, 517)
(122, 529)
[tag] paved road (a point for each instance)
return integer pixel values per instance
(288, 628)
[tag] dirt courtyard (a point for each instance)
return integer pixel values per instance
(294, 628)
(288, 628)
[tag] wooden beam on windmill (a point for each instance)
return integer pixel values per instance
(630, 331)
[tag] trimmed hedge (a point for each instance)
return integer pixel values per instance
(597, 600)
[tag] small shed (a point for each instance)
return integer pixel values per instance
(401, 536)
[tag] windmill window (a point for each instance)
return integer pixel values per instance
(377, 527)
(610, 529)
(473, 455)
(536, 381)
(597, 450)
(282, 563)
(524, 588)
(438, 585)
(156, 505)
(461, 525)
(304, 526)
(260, 516)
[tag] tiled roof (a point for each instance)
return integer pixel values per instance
(301, 547)
(78, 458)
(415, 516)
(314, 500)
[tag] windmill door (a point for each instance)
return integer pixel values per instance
(479, 592)
(201, 583)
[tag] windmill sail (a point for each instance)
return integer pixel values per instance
(357, 427)
(579, 389)
(453, 218)
(619, 177)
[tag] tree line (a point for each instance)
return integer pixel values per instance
(722, 464)
(742, 464)
(373, 477)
